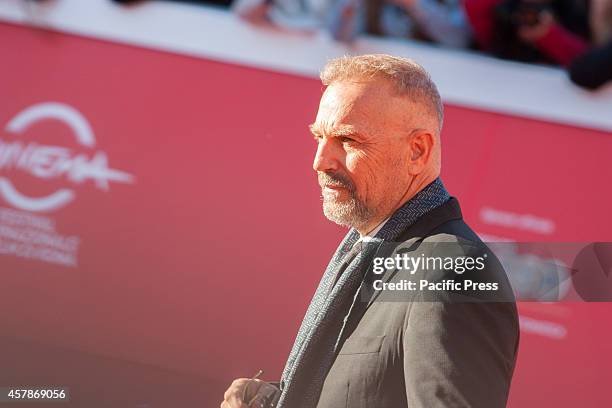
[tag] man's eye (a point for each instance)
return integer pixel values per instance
(345, 139)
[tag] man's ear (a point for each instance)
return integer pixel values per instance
(421, 145)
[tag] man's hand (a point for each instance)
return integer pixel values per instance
(257, 393)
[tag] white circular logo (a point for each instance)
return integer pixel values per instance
(48, 162)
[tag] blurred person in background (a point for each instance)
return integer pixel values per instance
(306, 16)
(220, 3)
(548, 31)
(594, 68)
(601, 21)
(442, 21)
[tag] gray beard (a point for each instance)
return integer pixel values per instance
(352, 213)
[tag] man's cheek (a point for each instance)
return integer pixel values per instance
(363, 180)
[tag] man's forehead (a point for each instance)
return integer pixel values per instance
(353, 107)
(355, 93)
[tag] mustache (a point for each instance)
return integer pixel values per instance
(336, 179)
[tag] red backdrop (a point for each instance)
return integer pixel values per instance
(201, 267)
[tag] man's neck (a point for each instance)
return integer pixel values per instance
(413, 189)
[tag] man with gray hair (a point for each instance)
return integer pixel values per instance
(363, 342)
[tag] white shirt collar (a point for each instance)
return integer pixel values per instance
(372, 233)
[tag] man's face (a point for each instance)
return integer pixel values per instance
(361, 130)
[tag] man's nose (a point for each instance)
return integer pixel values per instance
(326, 158)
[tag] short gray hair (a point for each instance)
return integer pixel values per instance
(408, 77)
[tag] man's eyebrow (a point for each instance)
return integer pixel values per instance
(313, 129)
(346, 130)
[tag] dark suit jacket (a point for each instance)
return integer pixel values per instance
(421, 353)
